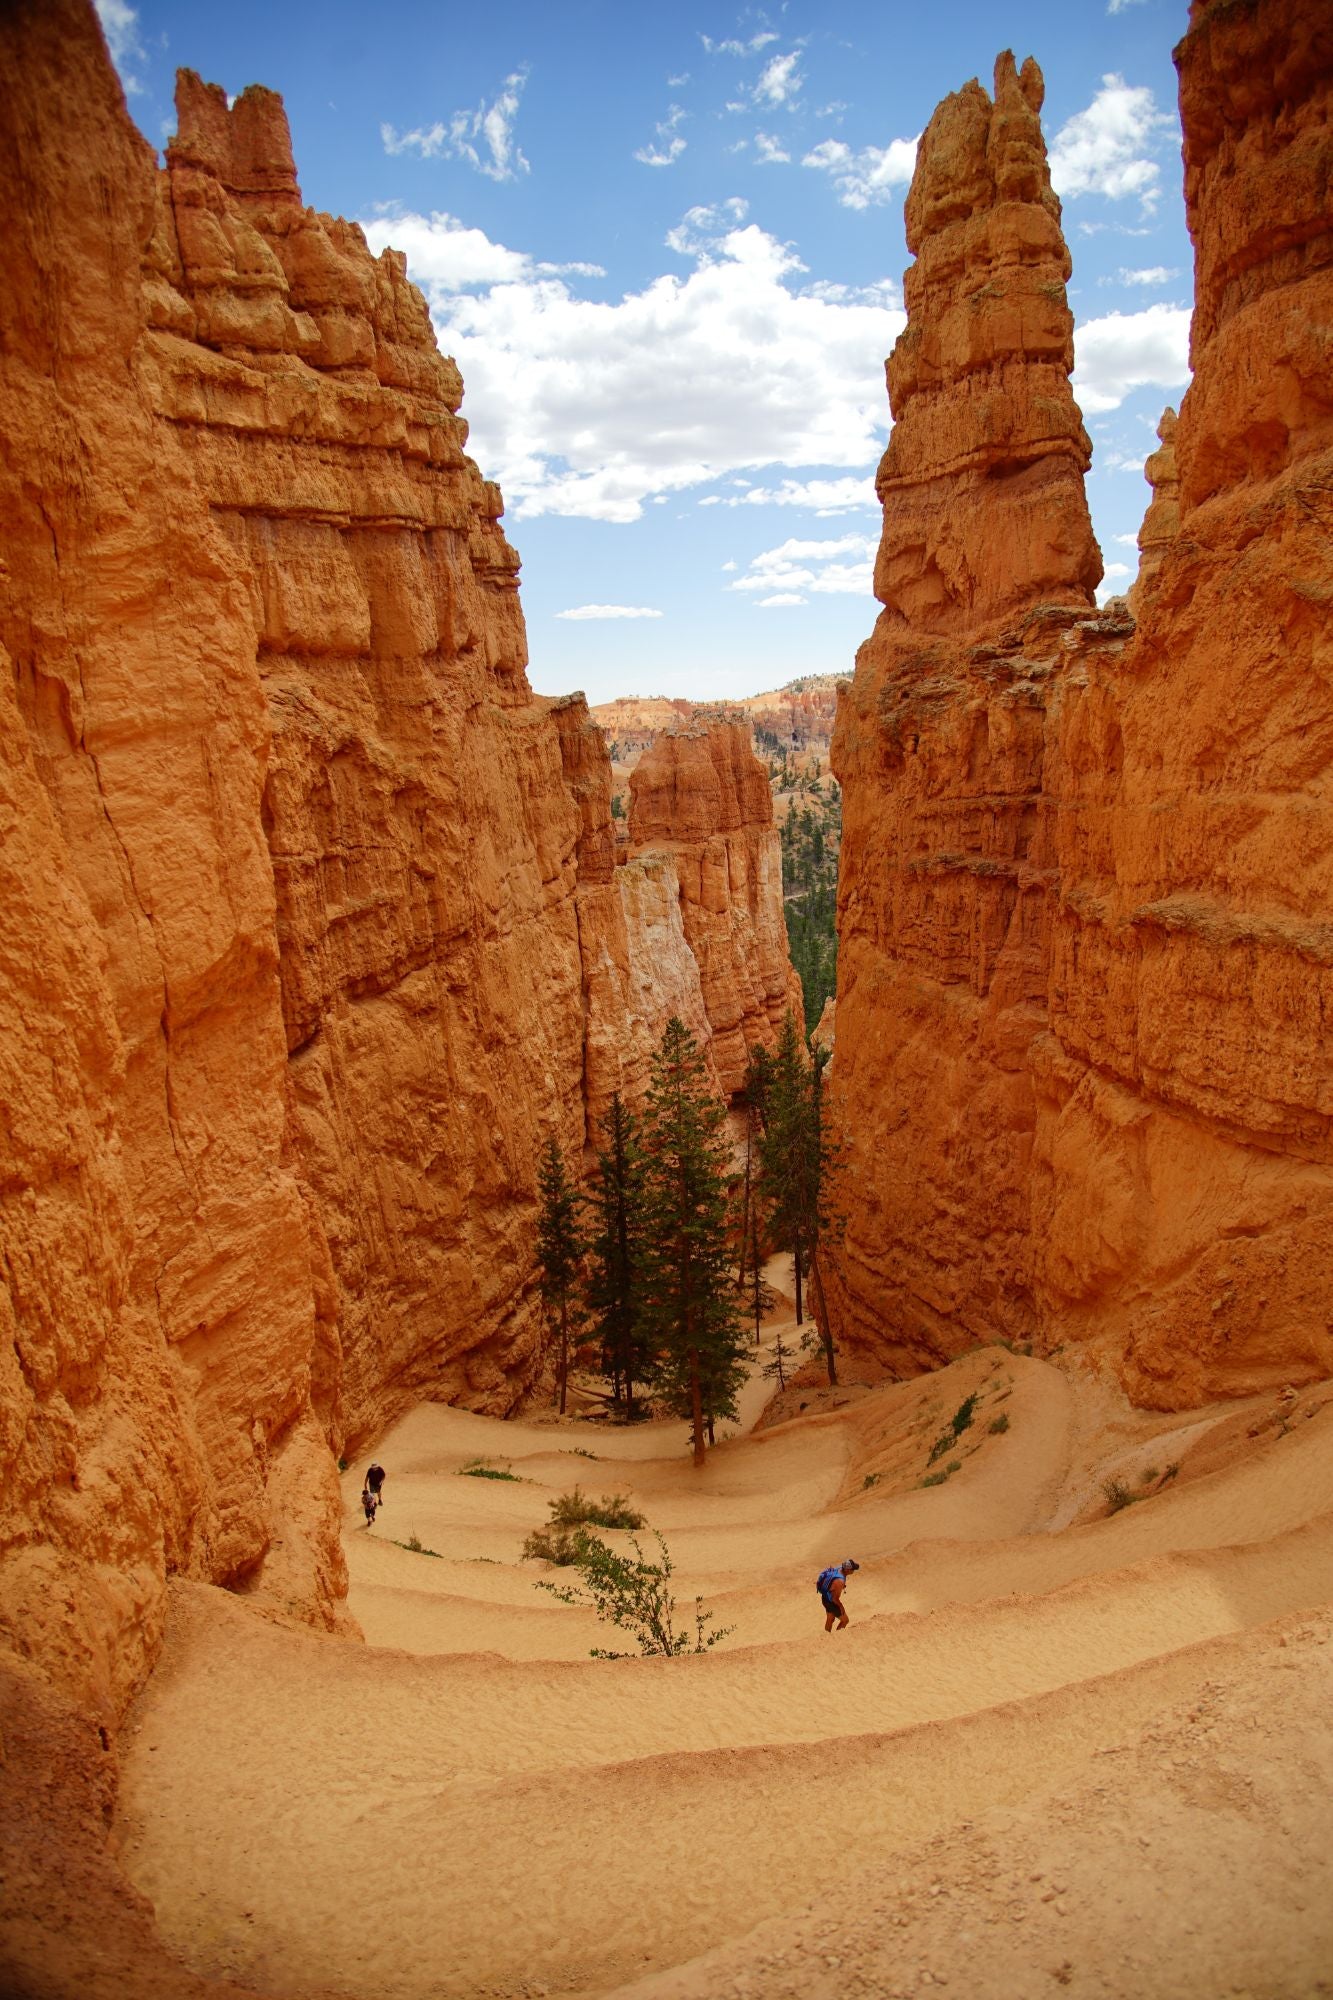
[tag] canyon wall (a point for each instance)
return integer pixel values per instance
(700, 803)
(1086, 967)
(301, 927)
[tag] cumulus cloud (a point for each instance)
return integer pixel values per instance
(796, 569)
(1151, 274)
(1107, 149)
(444, 251)
(484, 137)
(666, 146)
(120, 25)
(592, 409)
(1122, 352)
(1119, 6)
(768, 151)
(610, 611)
(867, 178)
(779, 81)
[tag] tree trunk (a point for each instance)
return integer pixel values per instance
(821, 1318)
(696, 1408)
(564, 1353)
(796, 1259)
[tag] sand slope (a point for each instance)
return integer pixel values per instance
(470, 1804)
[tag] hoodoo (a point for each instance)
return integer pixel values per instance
(305, 935)
(1086, 965)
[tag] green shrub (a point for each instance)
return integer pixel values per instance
(577, 1510)
(581, 1451)
(935, 1479)
(1147, 1476)
(999, 1425)
(1117, 1494)
(559, 1545)
(417, 1548)
(871, 1479)
(635, 1594)
(481, 1468)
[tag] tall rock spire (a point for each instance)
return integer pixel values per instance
(982, 483)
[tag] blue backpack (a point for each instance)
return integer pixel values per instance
(826, 1578)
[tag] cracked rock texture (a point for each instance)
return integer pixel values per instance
(310, 930)
(1086, 964)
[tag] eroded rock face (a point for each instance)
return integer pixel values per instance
(1161, 522)
(1086, 868)
(700, 799)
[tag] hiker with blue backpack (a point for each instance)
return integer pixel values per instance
(830, 1584)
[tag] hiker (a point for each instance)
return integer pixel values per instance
(375, 1483)
(830, 1584)
(370, 1501)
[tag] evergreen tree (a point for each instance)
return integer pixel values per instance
(560, 1250)
(616, 1252)
(799, 1166)
(760, 1296)
(689, 1309)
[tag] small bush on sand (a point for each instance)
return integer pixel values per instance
(578, 1510)
(635, 1594)
(1148, 1475)
(554, 1545)
(871, 1479)
(953, 1430)
(1117, 1494)
(999, 1425)
(581, 1451)
(417, 1548)
(481, 1468)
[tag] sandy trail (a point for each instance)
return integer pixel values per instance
(469, 1804)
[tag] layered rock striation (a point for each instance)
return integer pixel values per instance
(1085, 964)
(300, 951)
(700, 804)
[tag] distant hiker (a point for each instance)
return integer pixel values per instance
(830, 1584)
(370, 1501)
(375, 1483)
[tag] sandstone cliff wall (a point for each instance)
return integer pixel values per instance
(1084, 970)
(700, 802)
(300, 952)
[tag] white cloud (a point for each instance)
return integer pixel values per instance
(820, 496)
(781, 597)
(667, 147)
(1126, 351)
(1107, 149)
(779, 80)
(1126, 541)
(442, 250)
(120, 25)
(701, 228)
(1113, 570)
(737, 48)
(1151, 274)
(795, 567)
(491, 124)
(590, 409)
(1119, 6)
(728, 565)
(768, 150)
(610, 611)
(678, 82)
(867, 178)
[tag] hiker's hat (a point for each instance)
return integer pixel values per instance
(851, 1564)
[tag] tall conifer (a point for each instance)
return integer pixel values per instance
(690, 1312)
(616, 1253)
(560, 1250)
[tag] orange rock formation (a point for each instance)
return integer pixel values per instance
(302, 946)
(701, 797)
(1085, 956)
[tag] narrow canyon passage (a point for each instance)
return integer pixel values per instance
(470, 1804)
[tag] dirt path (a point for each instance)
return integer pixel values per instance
(469, 1804)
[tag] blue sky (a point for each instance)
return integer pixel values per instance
(666, 246)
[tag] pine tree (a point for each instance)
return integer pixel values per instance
(760, 1296)
(616, 1253)
(690, 1314)
(560, 1250)
(798, 1168)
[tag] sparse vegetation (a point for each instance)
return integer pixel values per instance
(871, 1479)
(581, 1451)
(554, 1545)
(1117, 1494)
(935, 1478)
(811, 839)
(959, 1422)
(1148, 1475)
(579, 1510)
(635, 1594)
(999, 1425)
(415, 1547)
(481, 1468)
